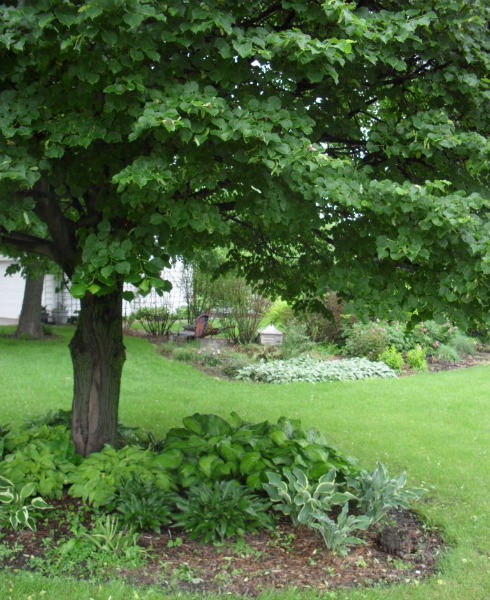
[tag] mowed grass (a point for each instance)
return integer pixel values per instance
(437, 426)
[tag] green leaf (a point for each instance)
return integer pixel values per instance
(206, 464)
(107, 271)
(169, 459)
(78, 290)
(123, 268)
(251, 461)
(27, 490)
(39, 504)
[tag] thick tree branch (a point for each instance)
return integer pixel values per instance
(23, 242)
(61, 231)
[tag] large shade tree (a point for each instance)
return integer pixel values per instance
(327, 144)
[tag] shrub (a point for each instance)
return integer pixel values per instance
(233, 363)
(279, 313)
(367, 340)
(429, 334)
(446, 353)
(156, 321)
(326, 325)
(295, 341)
(396, 335)
(416, 359)
(240, 309)
(222, 510)
(463, 344)
(392, 358)
(185, 353)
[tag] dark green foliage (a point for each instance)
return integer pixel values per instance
(211, 477)
(328, 146)
(222, 510)
(142, 504)
(325, 321)
(215, 449)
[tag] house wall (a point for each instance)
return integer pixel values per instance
(12, 293)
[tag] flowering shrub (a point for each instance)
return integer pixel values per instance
(373, 338)
(396, 334)
(366, 339)
(430, 334)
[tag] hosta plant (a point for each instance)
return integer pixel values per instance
(41, 455)
(18, 509)
(378, 492)
(301, 500)
(337, 535)
(99, 476)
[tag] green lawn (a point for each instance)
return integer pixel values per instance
(437, 426)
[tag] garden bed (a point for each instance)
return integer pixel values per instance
(288, 557)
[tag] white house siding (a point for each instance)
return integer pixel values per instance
(12, 293)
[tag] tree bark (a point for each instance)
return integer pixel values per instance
(30, 314)
(98, 355)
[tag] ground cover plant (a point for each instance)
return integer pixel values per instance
(418, 416)
(313, 371)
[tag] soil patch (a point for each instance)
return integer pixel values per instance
(403, 551)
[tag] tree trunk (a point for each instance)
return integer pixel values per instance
(30, 314)
(98, 356)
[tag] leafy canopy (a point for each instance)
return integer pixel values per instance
(327, 144)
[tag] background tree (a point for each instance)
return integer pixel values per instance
(30, 314)
(329, 144)
(33, 271)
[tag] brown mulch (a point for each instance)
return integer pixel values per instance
(478, 359)
(403, 551)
